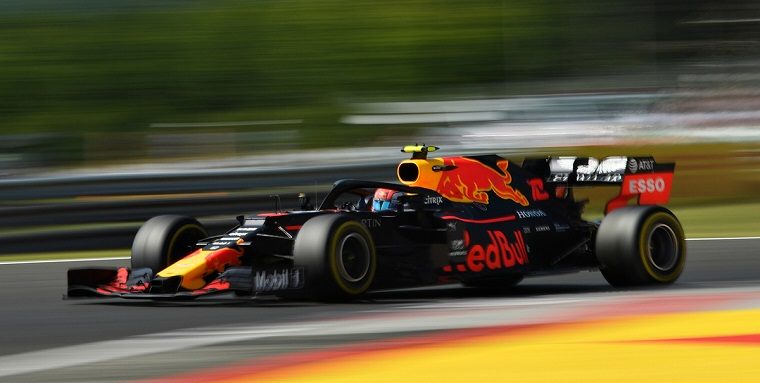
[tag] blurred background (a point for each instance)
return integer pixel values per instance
(108, 107)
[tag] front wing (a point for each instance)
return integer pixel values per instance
(140, 284)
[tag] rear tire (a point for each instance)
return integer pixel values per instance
(165, 239)
(338, 256)
(640, 245)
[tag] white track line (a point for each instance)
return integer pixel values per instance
(95, 352)
(125, 258)
(720, 238)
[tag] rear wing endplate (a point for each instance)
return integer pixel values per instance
(639, 177)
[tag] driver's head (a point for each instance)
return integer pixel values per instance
(386, 199)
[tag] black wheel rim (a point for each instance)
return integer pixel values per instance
(662, 249)
(353, 258)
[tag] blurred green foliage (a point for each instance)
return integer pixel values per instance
(85, 65)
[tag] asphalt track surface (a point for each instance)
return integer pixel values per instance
(44, 338)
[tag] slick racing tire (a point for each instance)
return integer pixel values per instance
(165, 239)
(640, 245)
(338, 256)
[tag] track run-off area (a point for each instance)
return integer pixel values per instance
(572, 327)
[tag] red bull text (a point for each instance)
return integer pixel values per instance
(500, 253)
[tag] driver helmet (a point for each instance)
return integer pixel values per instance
(386, 199)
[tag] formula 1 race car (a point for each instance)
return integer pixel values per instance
(478, 220)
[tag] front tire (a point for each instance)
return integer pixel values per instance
(641, 245)
(338, 255)
(165, 239)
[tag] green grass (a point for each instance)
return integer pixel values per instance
(713, 221)
(735, 220)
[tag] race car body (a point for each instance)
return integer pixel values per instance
(479, 220)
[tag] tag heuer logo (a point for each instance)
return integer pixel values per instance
(633, 165)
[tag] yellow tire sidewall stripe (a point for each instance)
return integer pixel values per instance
(644, 246)
(332, 259)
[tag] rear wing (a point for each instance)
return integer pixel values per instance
(639, 177)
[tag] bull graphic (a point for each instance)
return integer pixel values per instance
(468, 180)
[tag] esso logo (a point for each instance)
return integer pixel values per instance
(649, 185)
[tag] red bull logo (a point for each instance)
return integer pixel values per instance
(469, 180)
(501, 253)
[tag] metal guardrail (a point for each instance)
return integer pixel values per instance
(97, 238)
(77, 213)
(33, 225)
(207, 180)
